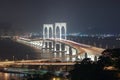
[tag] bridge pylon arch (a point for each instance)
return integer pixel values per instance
(48, 27)
(60, 26)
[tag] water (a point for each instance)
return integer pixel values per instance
(10, 76)
(10, 50)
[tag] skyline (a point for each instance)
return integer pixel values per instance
(86, 16)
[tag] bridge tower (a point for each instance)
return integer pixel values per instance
(49, 27)
(62, 30)
(46, 31)
(60, 26)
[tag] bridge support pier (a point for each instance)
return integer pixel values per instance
(60, 53)
(67, 52)
(74, 53)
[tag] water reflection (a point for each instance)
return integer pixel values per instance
(10, 76)
(6, 76)
(56, 78)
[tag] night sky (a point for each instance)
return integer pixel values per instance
(86, 16)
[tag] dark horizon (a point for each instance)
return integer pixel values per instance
(86, 16)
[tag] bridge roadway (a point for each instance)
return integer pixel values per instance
(81, 48)
(34, 62)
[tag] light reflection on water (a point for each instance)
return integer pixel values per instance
(6, 76)
(57, 78)
(10, 76)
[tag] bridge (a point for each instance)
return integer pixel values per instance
(26, 66)
(54, 45)
(41, 62)
(56, 51)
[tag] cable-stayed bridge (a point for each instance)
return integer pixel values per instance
(56, 50)
(54, 45)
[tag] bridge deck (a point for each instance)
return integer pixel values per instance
(46, 63)
(82, 48)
